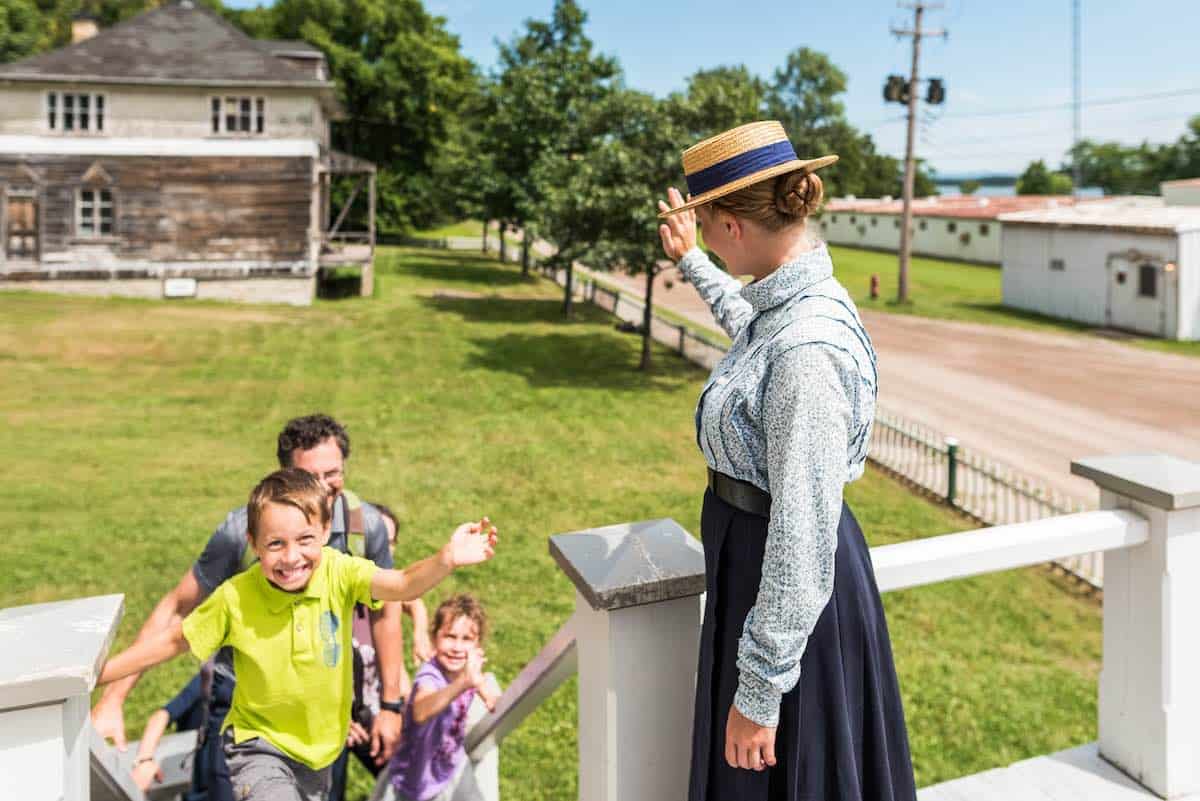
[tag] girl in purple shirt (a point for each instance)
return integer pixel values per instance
(431, 763)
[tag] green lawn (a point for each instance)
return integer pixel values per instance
(132, 427)
(462, 228)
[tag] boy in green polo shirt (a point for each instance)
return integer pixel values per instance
(287, 619)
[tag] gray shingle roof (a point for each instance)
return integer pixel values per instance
(180, 43)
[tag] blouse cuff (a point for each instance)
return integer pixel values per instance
(757, 700)
(691, 260)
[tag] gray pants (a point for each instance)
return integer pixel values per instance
(462, 787)
(259, 771)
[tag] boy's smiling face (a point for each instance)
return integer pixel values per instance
(288, 545)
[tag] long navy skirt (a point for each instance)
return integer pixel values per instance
(841, 734)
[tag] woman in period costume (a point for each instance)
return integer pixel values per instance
(796, 695)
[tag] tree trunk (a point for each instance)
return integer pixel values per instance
(485, 235)
(525, 237)
(569, 291)
(503, 244)
(647, 318)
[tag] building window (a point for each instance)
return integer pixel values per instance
(896, 223)
(95, 217)
(874, 221)
(75, 111)
(951, 227)
(1147, 281)
(834, 218)
(853, 219)
(921, 225)
(238, 115)
(1057, 264)
(984, 229)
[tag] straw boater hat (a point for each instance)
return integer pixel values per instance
(737, 158)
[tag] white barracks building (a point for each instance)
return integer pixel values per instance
(959, 228)
(1126, 263)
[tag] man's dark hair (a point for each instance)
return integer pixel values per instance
(306, 433)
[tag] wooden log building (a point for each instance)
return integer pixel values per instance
(171, 155)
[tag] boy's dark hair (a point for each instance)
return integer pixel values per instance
(461, 605)
(305, 433)
(292, 487)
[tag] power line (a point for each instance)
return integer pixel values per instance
(1108, 101)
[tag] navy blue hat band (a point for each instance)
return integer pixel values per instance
(739, 166)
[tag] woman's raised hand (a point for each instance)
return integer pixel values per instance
(472, 543)
(678, 232)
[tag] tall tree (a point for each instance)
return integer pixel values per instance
(22, 30)
(548, 79)
(716, 100)
(603, 199)
(402, 79)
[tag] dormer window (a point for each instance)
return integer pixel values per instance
(238, 115)
(75, 112)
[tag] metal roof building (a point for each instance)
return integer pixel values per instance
(1126, 263)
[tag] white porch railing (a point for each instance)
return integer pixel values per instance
(633, 640)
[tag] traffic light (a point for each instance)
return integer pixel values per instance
(896, 89)
(936, 93)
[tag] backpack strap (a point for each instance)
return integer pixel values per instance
(355, 528)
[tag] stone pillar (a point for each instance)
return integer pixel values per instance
(52, 657)
(637, 631)
(1150, 680)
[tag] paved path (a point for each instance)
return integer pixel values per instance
(1034, 400)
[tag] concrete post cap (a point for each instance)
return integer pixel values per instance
(630, 564)
(1157, 479)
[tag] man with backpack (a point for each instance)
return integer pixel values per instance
(319, 445)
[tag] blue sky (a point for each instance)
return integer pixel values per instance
(1000, 58)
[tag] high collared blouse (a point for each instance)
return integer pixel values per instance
(789, 409)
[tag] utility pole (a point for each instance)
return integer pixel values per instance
(1076, 167)
(917, 33)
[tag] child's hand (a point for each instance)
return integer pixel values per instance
(490, 691)
(357, 734)
(472, 543)
(474, 670)
(146, 773)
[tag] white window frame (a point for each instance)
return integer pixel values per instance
(55, 101)
(96, 204)
(257, 115)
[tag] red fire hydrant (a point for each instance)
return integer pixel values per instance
(874, 286)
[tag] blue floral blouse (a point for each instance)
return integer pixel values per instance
(788, 409)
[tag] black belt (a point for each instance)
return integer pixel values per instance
(739, 494)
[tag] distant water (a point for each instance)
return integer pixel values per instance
(951, 190)
(1008, 190)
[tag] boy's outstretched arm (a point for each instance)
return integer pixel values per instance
(145, 653)
(470, 544)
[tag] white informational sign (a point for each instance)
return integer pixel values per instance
(179, 288)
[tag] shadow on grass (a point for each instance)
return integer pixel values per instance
(582, 359)
(493, 309)
(451, 266)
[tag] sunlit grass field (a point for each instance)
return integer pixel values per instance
(130, 428)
